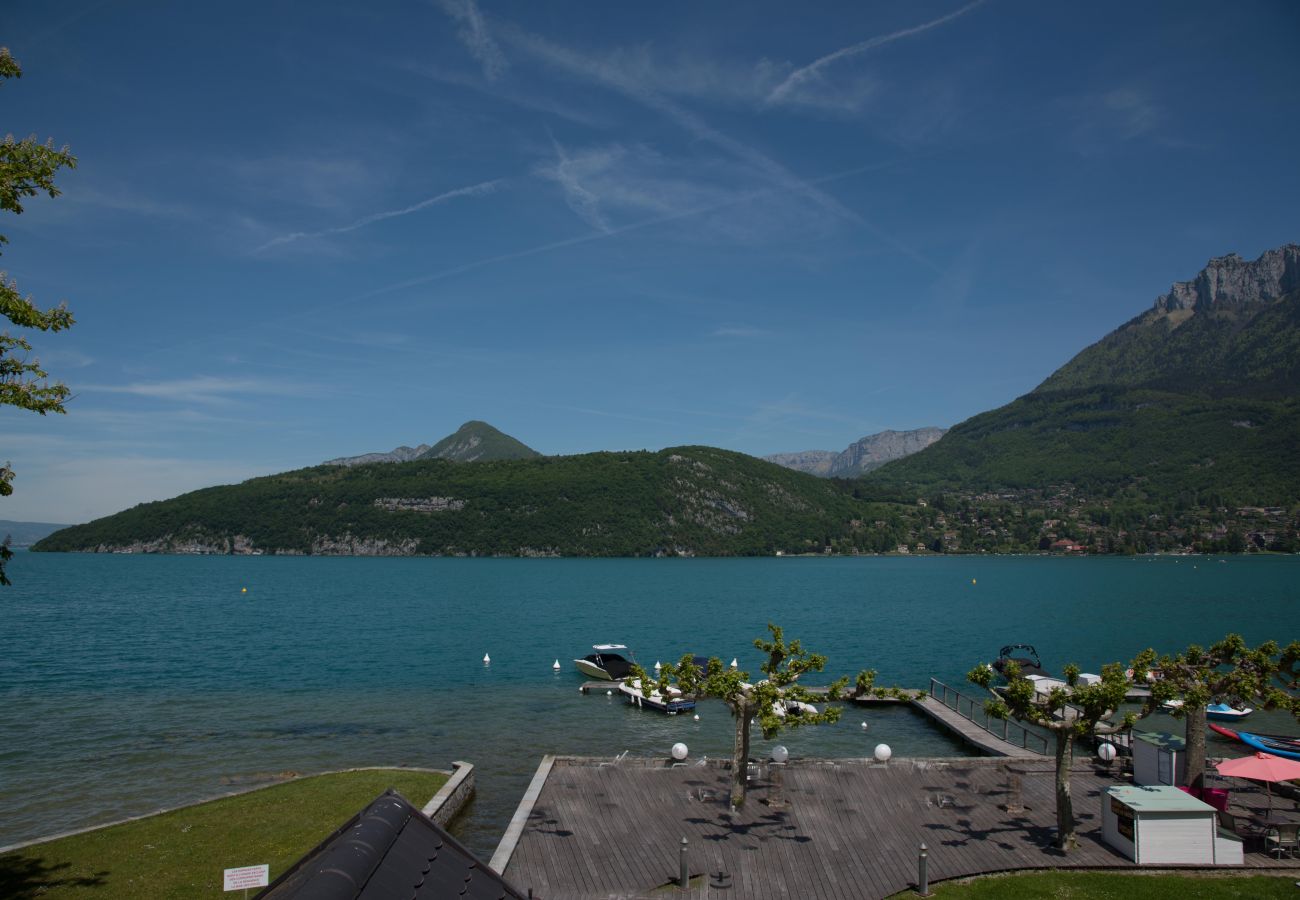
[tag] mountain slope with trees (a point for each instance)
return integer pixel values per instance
(1197, 398)
(680, 501)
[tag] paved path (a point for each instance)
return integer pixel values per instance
(851, 828)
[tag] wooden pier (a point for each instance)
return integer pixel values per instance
(837, 829)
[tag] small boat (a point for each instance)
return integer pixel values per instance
(1278, 745)
(1022, 654)
(1221, 711)
(1225, 713)
(783, 708)
(608, 662)
(672, 704)
(1226, 732)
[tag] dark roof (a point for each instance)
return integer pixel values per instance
(390, 851)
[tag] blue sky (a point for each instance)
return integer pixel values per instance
(306, 230)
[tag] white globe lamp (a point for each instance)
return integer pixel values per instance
(883, 753)
(780, 754)
(679, 751)
(1107, 752)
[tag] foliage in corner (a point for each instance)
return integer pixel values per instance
(27, 168)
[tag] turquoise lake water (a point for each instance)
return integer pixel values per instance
(130, 683)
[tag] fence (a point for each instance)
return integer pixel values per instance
(972, 709)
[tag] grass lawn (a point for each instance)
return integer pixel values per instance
(182, 853)
(1108, 886)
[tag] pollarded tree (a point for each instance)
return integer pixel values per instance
(27, 168)
(1228, 671)
(773, 702)
(1074, 710)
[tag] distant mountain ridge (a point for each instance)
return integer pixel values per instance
(862, 456)
(1196, 401)
(24, 534)
(474, 441)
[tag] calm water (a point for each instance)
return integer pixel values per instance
(128, 683)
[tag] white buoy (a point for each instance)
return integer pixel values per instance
(609, 693)
(734, 663)
(487, 660)
(556, 665)
(679, 751)
(697, 717)
(864, 726)
(658, 665)
(883, 752)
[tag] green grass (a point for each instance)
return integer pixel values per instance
(1107, 886)
(182, 853)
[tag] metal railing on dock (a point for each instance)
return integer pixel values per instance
(972, 709)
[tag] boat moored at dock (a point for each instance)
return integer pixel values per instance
(607, 663)
(672, 704)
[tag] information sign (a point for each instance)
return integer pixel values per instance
(245, 877)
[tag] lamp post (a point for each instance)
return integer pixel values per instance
(1106, 752)
(776, 783)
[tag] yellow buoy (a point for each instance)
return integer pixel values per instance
(243, 590)
(972, 581)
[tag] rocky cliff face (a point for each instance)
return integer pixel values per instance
(861, 456)
(814, 462)
(401, 454)
(875, 450)
(1228, 281)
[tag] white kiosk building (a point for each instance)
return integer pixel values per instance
(1161, 825)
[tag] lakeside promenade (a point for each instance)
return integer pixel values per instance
(844, 829)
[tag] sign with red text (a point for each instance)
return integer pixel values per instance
(246, 877)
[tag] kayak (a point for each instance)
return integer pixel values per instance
(1278, 745)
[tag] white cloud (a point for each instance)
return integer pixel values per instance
(808, 85)
(473, 190)
(614, 77)
(206, 389)
(1106, 119)
(475, 36)
(569, 173)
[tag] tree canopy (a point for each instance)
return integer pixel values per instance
(27, 168)
(1228, 671)
(1068, 711)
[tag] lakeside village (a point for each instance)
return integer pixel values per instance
(1062, 519)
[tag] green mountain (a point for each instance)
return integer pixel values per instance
(680, 501)
(478, 442)
(1200, 395)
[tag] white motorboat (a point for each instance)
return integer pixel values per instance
(672, 704)
(608, 663)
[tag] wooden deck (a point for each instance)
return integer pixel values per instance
(849, 829)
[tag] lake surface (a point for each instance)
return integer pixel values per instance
(130, 683)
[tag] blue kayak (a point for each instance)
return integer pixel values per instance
(1278, 746)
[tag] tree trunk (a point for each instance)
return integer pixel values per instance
(1065, 837)
(740, 755)
(1195, 724)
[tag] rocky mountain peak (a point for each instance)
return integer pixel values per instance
(1228, 281)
